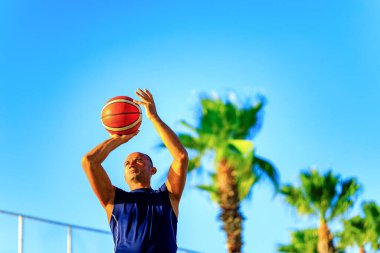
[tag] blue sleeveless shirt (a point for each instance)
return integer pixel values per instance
(143, 221)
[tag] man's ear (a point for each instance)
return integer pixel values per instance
(153, 170)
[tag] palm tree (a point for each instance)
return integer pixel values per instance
(302, 241)
(360, 231)
(225, 131)
(325, 197)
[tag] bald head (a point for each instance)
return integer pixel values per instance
(138, 169)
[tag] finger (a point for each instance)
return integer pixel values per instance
(139, 102)
(132, 134)
(138, 92)
(148, 93)
(143, 93)
(142, 96)
(127, 137)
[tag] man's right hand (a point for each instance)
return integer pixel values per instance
(125, 137)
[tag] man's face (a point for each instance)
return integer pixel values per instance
(138, 169)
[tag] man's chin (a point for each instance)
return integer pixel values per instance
(132, 177)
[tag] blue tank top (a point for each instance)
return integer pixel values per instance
(143, 221)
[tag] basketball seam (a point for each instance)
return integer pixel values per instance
(115, 129)
(116, 114)
(122, 100)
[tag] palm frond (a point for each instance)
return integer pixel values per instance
(262, 166)
(354, 233)
(244, 147)
(189, 141)
(295, 197)
(345, 199)
(211, 189)
(245, 185)
(319, 189)
(302, 241)
(188, 126)
(194, 163)
(372, 222)
(252, 117)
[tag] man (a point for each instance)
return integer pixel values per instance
(142, 220)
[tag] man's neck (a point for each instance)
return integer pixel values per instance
(138, 186)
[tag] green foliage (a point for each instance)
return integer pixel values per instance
(324, 196)
(224, 130)
(372, 222)
(211, 188)
(302, 241)
(262, 166)
(354, 232)
(297, 198)
(345, 197)
(362, 230)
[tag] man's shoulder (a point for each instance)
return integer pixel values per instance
(120, 195)
(163, 188)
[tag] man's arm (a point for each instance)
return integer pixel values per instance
(178, 169)
(97, 176)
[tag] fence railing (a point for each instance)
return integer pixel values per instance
(70, 227)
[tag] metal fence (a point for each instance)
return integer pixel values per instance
(69, 227)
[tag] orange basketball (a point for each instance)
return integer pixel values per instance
(120, 115)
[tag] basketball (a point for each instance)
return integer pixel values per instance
(120, 115)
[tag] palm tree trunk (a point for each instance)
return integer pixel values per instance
(230, 207)
(325, 244)
(361, 249)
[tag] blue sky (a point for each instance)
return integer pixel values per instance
(317, 63)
